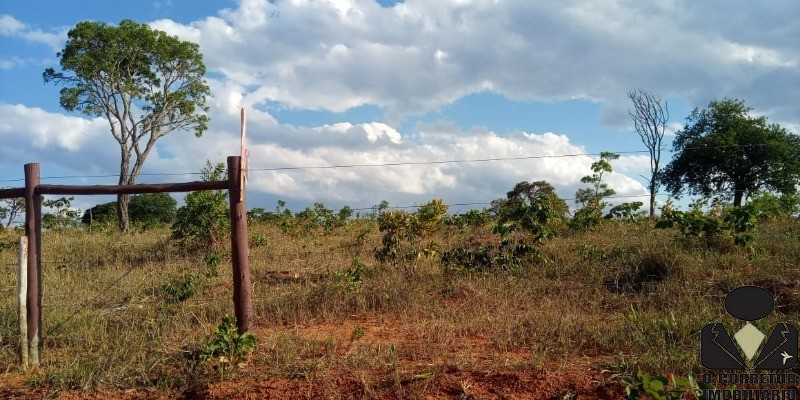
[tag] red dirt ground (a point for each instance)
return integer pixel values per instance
(581, 377)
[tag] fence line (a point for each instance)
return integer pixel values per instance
(286, 168)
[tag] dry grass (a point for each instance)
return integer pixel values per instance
(624, 295)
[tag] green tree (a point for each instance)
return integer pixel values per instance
(599, 189)
(146, 83)
(100, 214)
(724, 151)
(60, 216)
(153, 208)
(591, 198)
(147, 209)
(533, 207)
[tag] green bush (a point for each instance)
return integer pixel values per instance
(147, 210)
(625, 211)
(204, 219)
(509, 255)
(225, 347)
(105, 213)
(769, 206)
(530, 207)
(591, 198)
(60, 215)
(737, 223)
(152, 209)
(404, 232)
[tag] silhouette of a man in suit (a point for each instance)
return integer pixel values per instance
(749, 303)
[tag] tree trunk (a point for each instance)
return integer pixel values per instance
(737, 197)
(652, 206)
(123, 200)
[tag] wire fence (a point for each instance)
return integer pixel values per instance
(68, 299)
(389, 164)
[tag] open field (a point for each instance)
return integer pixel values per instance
(333, 322)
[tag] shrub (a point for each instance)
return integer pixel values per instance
(769, 206)
(225, 347)
(738, 223)
(591, 213)
(509, 255)
(404, 232)
(472, 218)
(634, 270)
(61, 215)
(204, 220)
(625, 211)
(531, 207)
(148, 210)
(183, 290)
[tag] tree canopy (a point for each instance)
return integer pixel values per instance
(147, 209)
(724, 151)
(146, 83)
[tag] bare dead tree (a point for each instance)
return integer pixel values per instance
(650, 115)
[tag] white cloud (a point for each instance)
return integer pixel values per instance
(85, 145)
(419, 55)
(10, 26)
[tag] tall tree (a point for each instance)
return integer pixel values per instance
(593, 196)
(724, 151)
(146, 83)
(650, 115)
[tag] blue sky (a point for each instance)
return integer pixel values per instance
(333, 82)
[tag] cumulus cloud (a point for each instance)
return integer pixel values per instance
(280, 153)
(31, 134)
(10, 26)
(419, 55)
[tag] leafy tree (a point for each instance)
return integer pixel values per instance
(147, 209)
(100, 214)
(724, 151)
(146, 83)
(531, 206)
(650, 118)
(591, 198)
(61, 215)
(153, 208)
(624, 211)
(769, 206)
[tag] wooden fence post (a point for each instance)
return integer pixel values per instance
(242, 290)
(33, 230)
(22, 293)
